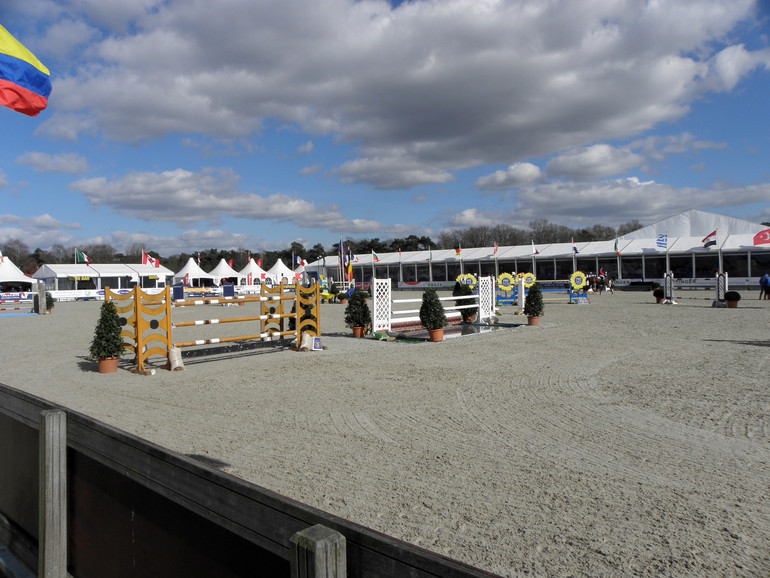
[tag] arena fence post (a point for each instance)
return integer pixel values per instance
(318, 552)
(52, 539)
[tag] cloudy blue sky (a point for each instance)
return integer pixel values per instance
(190, 124)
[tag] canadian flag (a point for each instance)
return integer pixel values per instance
(152, 261)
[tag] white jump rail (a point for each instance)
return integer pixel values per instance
(385, 316)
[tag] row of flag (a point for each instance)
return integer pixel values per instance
(347, 258)
(709, 240)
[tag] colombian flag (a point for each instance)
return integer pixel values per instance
(24, 82)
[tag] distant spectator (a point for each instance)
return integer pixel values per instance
(764, 286)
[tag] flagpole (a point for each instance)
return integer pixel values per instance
(430, 263)
(533, 256)
(400, 268)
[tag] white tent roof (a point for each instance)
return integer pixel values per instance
(279, 270)
(685, 233)
(150, 271)
(193, 269)
(10, 273)
(223, 270)
(252, 267)
(65, 270)
(696, 224)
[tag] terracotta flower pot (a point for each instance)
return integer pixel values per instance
(533, 321)
(436, 335)
(108, 364)
(732, 304)
(358, 331)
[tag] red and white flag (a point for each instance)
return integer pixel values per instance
(762, 238)
(148, 260)
(534, 251)
(496, 248)
(187, 280)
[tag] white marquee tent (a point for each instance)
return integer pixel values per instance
(279, 271)
(224, 271)
(10, 274)
(254, 270)
(194, 271)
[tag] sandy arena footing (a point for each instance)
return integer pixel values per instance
(618, 438)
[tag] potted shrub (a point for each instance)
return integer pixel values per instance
(533, 305)
(732, 298)
(432, 315)
(467, 313)
(357, 314)
(107, 344)
(334, 290)
(659, 294)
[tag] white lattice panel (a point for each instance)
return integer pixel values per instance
(486, 298)
(382, 305)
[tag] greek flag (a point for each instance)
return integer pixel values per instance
(662, 241)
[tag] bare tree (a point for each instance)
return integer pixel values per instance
(510, 236)
(545, 232)
(595, 233)
(17, 251)
(136, 250)
(100, 253)
(629, 227)
(60, 254)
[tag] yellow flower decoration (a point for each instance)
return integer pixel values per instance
(577, 279)
(506, 282)
(529, 280)
(467, 279)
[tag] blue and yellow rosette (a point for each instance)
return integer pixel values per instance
(467, 279)
(506, 282)
(529, 279)
(577, 279)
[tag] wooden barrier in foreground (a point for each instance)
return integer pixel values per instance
(134, 508)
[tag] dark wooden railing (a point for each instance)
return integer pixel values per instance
(136, 509)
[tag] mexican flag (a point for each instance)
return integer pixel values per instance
(81, 257)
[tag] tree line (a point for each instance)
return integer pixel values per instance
(540, 231)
